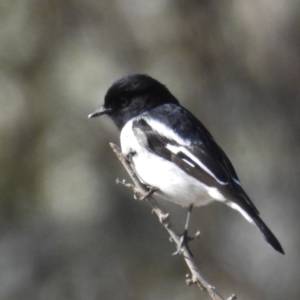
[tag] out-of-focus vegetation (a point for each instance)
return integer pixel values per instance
(67, 231)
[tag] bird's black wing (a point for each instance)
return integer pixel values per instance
(205, 161)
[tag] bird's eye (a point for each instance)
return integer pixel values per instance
(123, 101)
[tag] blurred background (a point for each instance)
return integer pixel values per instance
(67, 231)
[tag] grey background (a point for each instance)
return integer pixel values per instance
(66, 230)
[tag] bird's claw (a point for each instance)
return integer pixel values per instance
(150, 192)
(184, 239)
(129, 156)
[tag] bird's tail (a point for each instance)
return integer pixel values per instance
(267, 233)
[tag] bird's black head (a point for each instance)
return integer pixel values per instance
(132, 96)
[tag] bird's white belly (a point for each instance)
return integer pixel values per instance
(173, 183)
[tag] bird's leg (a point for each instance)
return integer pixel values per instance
(150, 192)
(184, 238)
(187, 222)
(129, 156)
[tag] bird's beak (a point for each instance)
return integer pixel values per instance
(100, 111)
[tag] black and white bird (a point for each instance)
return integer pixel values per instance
(172, 151)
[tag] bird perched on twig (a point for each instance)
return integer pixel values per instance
(171, 150)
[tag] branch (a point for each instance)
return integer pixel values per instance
(143, 191)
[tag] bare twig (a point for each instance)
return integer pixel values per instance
(144, 193)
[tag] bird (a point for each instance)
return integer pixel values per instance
(171, 151)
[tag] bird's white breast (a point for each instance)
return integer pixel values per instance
(173, 183)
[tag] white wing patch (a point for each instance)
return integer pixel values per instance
(163, 130)
(236, 181)
(176, 149)
(189, 163)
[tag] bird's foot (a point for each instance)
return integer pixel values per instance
(129, 156)
(150, 192)
(184, 239)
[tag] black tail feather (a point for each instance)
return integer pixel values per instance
(268, 235)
